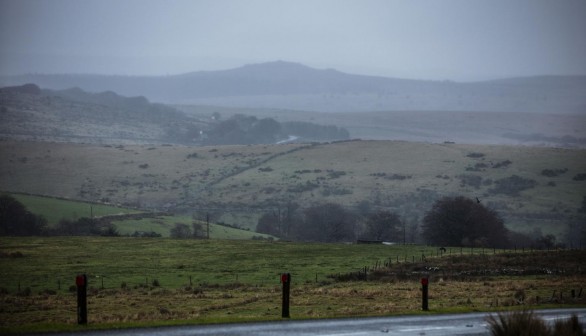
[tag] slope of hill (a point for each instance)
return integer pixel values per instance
(78, 116)
(74, 115)
(295, 86)
(531, 187)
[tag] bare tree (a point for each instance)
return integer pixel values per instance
(327, 223)
(180, 230)
(460, 221)
(384, 225)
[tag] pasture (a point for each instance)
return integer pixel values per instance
(54, 209)
(145, 281)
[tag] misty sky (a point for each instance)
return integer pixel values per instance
(459, 40)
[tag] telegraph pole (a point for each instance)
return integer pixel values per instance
(208, 224)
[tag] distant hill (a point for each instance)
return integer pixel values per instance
(298, 87)
(74, 115)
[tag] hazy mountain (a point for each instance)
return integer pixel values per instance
(295, 86)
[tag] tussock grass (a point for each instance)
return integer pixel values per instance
(234, 182)
(526, 323)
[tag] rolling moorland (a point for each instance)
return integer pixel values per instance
(294, 86)
(530, 187)
(104, 117)
(28, 112)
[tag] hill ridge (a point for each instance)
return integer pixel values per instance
(296, 86)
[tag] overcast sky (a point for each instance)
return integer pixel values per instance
(460, 40)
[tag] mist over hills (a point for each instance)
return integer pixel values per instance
(28, 112)
(295, 86)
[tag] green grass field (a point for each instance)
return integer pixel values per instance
(163, 225)
(46, 261)
(159, 281)
(55, 210)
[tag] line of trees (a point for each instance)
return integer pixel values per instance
(452, 221)
(244, 130)
(330, 222)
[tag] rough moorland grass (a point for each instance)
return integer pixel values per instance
(525, 322)
(236, 181)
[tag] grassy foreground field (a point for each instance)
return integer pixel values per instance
(141, 281)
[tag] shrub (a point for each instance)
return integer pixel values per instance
(338, 191)
(512, 185)
(334, 174)
(308, 186)
(553, 172)
(398, 177)
(475, 155)
(471, 180)
(580, 177)
(502, 164)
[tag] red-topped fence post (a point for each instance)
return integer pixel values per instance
(424, 294)
(81, 283)
(286, 281)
